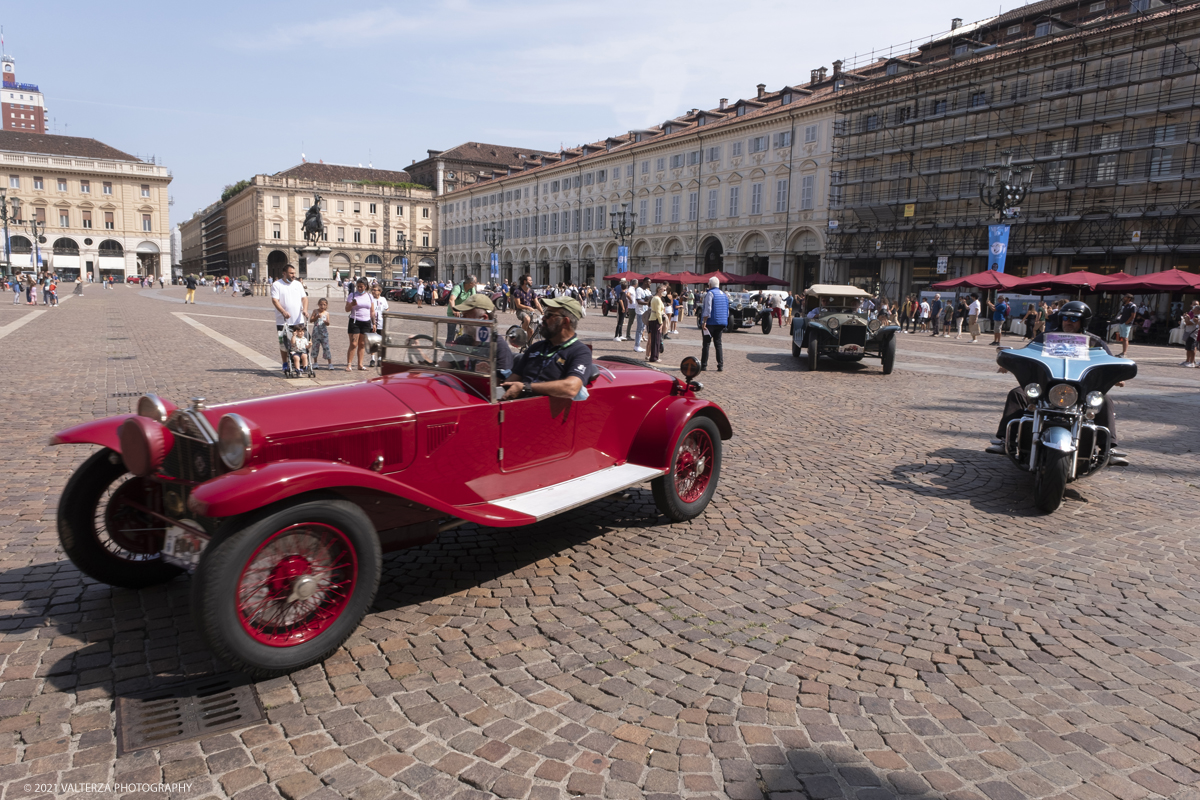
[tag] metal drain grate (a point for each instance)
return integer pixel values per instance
(126, 394)
(121, 358)
(186, 711)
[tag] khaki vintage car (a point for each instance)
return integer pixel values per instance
(834, 326)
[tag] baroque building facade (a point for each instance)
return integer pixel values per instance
(258, 230)
(741, 187)
(1097, 102)
(100, 211)
(447, 170)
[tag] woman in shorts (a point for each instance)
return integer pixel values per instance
(359, 305)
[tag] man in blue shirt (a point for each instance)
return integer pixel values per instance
(999, 314)
(935, 313)
(714, 316)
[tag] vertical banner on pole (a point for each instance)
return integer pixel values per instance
(495, 266)
(622, 259)
(997, 246)
(404, 267)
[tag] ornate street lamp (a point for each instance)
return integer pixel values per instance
(493, 236)
(36, 231)
(1002, 189)
(6, 217)
(624, 223)
(402, 246)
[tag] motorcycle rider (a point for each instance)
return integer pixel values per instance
(1071, 318)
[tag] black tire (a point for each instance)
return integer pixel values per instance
(218, 588)
(1050, 479)
(796, 351)
(666, 488)
(766, 323)
(91, 534)
(814, 356)
(606, 308)
(887, 354)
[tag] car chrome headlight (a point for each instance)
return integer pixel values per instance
(234, 441)
(832, 323)
(874, 325)
(1095, 399)
(1033, 390)
(1062, 396)
(152, 406)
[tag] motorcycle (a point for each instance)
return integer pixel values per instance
(1056, 437)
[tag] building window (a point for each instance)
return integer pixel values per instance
(145, 189)
(37, 182)
(939, 107)
(276, 231)
(677, 161)
(553, 186)
(1106, 167)
(146, 226)
(1043, 28)
(693, 205)
(85, 187)
(601, 175)
(587, 218)
(735, 150)
(106, 188)
(399, 211)
(553, 224)
(425, 240)
(14, 181)
(693, 158)
(341, 236)
(893, 69)
(712, 203)
(783, 139)
(645, 167)
(425, 213)
(341, 205)
(358, 235)
(358, 208)
(781, 196)
(1139, 5)
(64, 219)
(374, 236)
(600, 224)
(808, 184)
(525, 228)
(758, 144)
(660, 164)
(39, 214)
(371, 208)
(960, 49)
(756, 198)
(86, 219)
(108, 221)
(674, 208)
(978, 99)
(658, 211)
(1014, 30)
(734, 197)
(810, 134)
(642, 210)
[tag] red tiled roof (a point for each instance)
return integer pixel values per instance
(67, 146)
(340, 173)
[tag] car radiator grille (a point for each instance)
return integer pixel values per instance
(190, 460)
(854, 334)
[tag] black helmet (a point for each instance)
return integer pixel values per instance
(1078, 311)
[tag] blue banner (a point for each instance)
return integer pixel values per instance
(997, 246)
(404, 267)
(622, 259)
(495, 266)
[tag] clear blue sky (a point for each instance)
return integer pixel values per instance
(220, 91)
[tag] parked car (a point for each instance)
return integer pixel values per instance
(839, 330)
(281, 507)
(134, 279)
(403, 293)
(745, 312)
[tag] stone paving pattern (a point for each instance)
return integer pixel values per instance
(870, 608)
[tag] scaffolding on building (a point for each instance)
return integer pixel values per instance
(1106, 114)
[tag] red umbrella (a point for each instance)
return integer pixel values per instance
(671, 277)
(629, 276)
(761, 280)
(1171, 280)
(723, 277)
(1075, 281)
(988, 279)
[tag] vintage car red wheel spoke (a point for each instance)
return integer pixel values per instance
(126, 532)
(314, 557)
(693, 465)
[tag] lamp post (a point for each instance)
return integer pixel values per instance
(1001, 188)
(624, 223)
(36, 231)
(493, 236)
(5, 216)
(402, 246)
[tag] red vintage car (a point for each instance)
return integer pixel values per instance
(281, 507)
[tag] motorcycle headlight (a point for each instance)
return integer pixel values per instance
(832, 323)
(874, 325)
(1033, 390)
(233, 441)
(1095, 399)
(1063, 396)
(151, 406)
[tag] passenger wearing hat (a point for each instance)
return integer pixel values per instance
(474, 339)
(558, 365)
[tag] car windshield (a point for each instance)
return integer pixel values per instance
(465, 347)
(839, 305)
(741, 298)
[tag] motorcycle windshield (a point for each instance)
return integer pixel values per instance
(1042, 364)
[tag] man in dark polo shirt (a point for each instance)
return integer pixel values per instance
(558, 365)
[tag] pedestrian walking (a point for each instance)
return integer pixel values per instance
(999, 315)
(1190, 323)
(656, 316)
(935, 313)
(714, 316)
(973, 310)
(641, 307)
(190, 283)
(1125, 319)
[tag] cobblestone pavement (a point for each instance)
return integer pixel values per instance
(870, 608)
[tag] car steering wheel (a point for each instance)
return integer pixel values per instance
(421, 350)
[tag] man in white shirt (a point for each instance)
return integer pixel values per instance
(924, 326)
(642, 297)
(291, 308)
(973, 317)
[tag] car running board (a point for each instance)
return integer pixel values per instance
(551, 500)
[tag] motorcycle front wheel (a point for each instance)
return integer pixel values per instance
(1050, 480)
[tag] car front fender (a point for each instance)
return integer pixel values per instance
(103, 432)
(251, 488)
(653, 445)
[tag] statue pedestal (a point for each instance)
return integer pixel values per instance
(316, 260)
